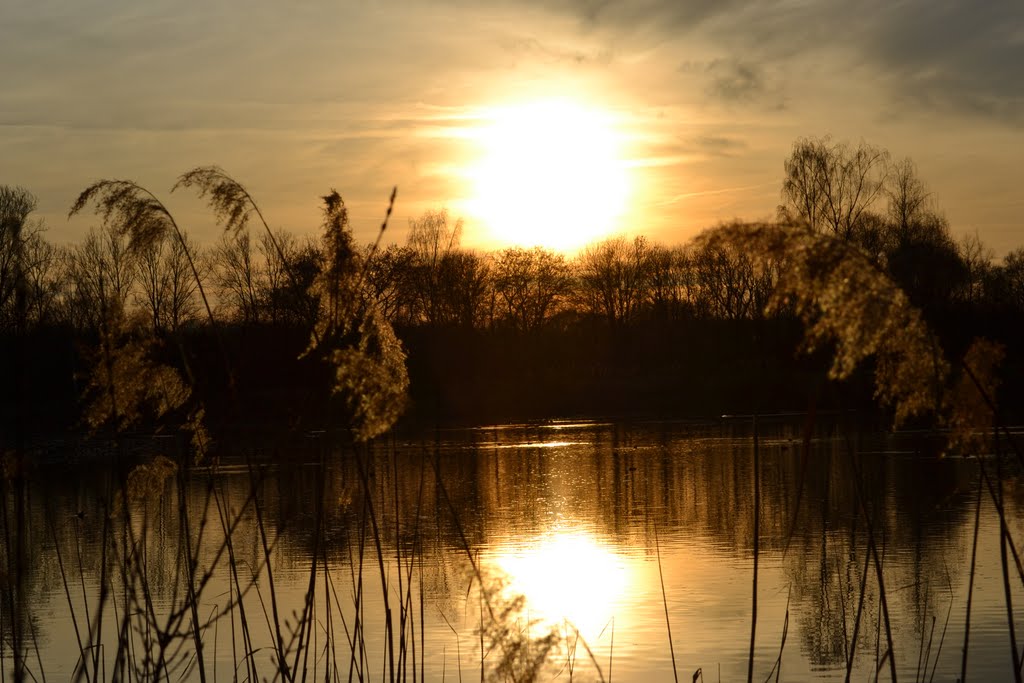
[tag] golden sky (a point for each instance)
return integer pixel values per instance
(703, 98)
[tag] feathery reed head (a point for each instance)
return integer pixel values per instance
(129, 209)
(845, 299)
(230, 201)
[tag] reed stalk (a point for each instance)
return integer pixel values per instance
(970, 579)
(664, 603)
(757, 541)
(1004, 540)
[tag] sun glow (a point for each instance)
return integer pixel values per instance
(567, 575)
(551, 174)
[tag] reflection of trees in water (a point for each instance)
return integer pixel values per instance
(65, 522)
(916, 507)
(690, 483)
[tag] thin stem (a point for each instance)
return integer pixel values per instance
(1004, 533)
(664, 602)
(757, 524)
(970, 581)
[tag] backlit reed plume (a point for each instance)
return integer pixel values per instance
(133, 211)
(231, 203)
(352, 335)
(348, 332)
(846, 300)
(970, 407)
(126, 385)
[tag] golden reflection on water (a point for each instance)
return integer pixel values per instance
(566, 575)
(537, 444)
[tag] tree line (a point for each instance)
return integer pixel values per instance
(448, 302)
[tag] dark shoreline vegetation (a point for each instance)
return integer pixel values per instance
(626, 327)
(138, 330)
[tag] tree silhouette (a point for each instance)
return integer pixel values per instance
(238, 277)
(167, 290)
(830, 186)
(731, 284)
(612, 279)
(102, 271)
(530, 284)
(16, 204)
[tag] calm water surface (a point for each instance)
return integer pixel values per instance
(597, 527)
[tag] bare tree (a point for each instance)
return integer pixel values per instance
(16, 203)
(530, 284)
(977, 259)
(908, 196)
(830, 185)
(730, 284)
(286, 268)
(391, 276)
(923, 258)
(1013, 278)
(167, 289)
(237, 276)
(102, 271)
(44, 281)
(613, 278)
(464, 282)
(447, 284)
(671, 285)
(276, 250)
(433, 239)
(153, 283)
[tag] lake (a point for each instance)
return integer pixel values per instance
(570, 550)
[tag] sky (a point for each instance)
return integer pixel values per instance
(705, 99)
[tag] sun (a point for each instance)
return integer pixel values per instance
(550, 173)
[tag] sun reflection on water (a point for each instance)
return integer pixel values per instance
(569, 575)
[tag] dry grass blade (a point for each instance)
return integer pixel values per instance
(144, 388)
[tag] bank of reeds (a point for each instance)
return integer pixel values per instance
(146, 622)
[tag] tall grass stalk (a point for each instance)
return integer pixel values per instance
(757, 542)
(942, 637)
(664, 603)
(1004, 540)
(777, 666)
(872, 550)
(64, 582)
(970, 580)
(852, 649)
(611, 651)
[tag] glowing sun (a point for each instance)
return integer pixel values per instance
(550, 173)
